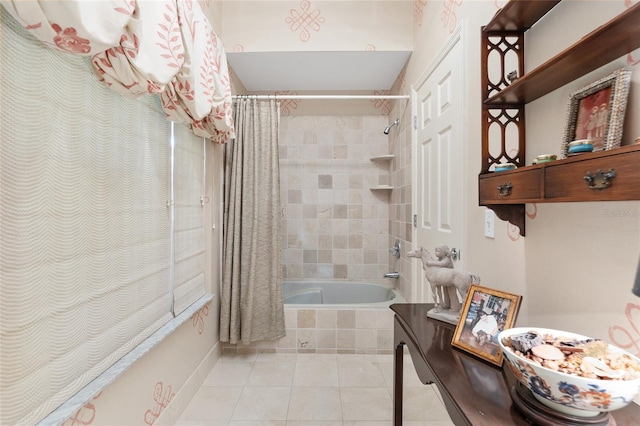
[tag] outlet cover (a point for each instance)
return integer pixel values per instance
(489, 224)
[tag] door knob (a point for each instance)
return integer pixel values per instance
(455, 254)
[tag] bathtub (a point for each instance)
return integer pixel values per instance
(333, 317)
(336, 293)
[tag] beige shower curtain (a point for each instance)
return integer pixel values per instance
(251, 295)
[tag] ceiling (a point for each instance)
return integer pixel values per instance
(317, 71)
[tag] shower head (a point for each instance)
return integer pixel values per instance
(388, 128)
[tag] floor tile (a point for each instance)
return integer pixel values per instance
(228, 373)
(271, 374)
(319, 373)
(212, 403)
(288, 389)
(365, 403)
(364, 373)
(262, 403)
(422, 403)
(315, 403)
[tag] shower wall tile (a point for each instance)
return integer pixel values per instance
(290, 318)
(327, 318)
(346, 339)
(366, 318)
(346, 319)
(321, 330)
(324, 256)
(307, 318)
(326, 339)
(366, 339)
(325, 271)
(340, 271)
(326, 169)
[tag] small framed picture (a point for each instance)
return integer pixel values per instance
(596, 112)
(486, 312)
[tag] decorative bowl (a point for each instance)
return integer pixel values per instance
(581, 145)
(545, 158)
(581, 142)
(580, 148)
(504, 167)
(569, 393)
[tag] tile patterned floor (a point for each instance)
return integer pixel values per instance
(277, 389)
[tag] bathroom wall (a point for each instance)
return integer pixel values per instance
(156, 388)
(334, 225)
(575, 267)
(301, 25)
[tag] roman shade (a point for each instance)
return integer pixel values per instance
(92, 259)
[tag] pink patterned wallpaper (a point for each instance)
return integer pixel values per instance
(304, 20)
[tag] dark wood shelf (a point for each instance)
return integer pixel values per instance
(563, 180)
(519, 15)
(610, 41)
(506, 193)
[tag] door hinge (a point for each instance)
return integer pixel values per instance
(415, 220)
(415, 122)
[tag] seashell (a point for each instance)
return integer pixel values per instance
(548, 352)
(599, 368)
(525, 341)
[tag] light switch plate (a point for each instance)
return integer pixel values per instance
(489, 224)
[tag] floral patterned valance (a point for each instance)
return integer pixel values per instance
(165, 47)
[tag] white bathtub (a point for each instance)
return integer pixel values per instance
(339, 293)
(324, 316)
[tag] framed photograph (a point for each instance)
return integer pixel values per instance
(597, 111)
(486, 312)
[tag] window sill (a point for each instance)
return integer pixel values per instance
(76, 402)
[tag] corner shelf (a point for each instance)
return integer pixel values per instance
(503, 104)
(387, 157)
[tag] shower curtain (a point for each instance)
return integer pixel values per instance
(251, 295)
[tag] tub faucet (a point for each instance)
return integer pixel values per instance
(394, 275)
(395, 250)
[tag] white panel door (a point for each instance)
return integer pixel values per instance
(438, 148)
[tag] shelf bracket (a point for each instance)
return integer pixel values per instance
(512, 213)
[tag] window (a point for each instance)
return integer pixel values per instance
(89, 265)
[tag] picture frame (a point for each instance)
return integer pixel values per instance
(485, 313)
(597, 112)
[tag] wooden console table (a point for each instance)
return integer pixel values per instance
(475, 392)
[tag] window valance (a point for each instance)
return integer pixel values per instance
(166, 47)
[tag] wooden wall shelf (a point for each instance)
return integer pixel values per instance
(616, 38)
(563, 180)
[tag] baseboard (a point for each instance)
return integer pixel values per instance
(183, 397)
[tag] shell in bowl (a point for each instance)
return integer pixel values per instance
(567, 392)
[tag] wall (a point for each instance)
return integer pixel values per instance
(575, 267)
(334, 226)
(548, 267)
(434, 22)
(173, 370)
(315, 26)
(600, 243)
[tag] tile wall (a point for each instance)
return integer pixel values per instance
(347, 330)
(334, 226)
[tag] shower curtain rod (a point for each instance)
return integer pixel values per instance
(267, 97)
